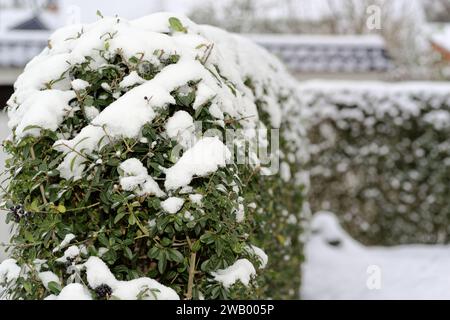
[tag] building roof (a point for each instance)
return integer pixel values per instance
(33, 23)
(329, 53)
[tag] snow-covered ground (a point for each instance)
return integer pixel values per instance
(3, 227)
(338, 267)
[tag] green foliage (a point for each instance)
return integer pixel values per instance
(176, 25)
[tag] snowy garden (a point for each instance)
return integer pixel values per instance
(161, 159)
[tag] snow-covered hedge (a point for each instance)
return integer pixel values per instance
(380, 158)
(115, 194)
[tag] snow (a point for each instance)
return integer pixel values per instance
(440, 119)
(130, 80)
(285, 171)
(73, 291)
(240, 211)
(47, 277)
(79, 84)
(9, 270)
(172, 205)
(242, 270)
(45, 109)
(258, 252)
(135, 177)
(430, 87)
(67, 239)
(91, 112)
(70, 253)
(328, 40)
(196, 198)
(180, 127)
(205, 157)
(98, 273)
(350, 270)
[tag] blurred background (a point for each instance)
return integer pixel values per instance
(342, 39)
(380, 157)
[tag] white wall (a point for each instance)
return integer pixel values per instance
(4, 229)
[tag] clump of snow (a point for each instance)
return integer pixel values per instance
(67, 239)
(79, 84)
(242, 270)
(240, 212)
(47, 276)
(188, 216)
(73, 291)
(205, 157)
(71, 253)
(172, 205)
(98, 273)
(41, 109)
(91, 112)
(180, 127)
(130, 80)
(196, 198)
(9, 270)
(135, 178)
(262, 256)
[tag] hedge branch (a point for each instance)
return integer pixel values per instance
(41, 186)
(191, 276)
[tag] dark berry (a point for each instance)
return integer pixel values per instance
(103, 290)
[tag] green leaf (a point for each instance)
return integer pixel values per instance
(61, 208)
(119, 216)
(128, 253)
(176, 25)
(131, 220)
(103, 239)
(175, 255)
(28, 236)
(196, 246)
(153, 253)
(162, 263)
(166, 242)
(54, 287)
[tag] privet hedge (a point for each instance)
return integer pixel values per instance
(380, 158)
(108, 198)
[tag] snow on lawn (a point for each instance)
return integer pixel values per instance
(338, 267)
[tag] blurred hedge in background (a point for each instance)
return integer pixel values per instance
(380, 158)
